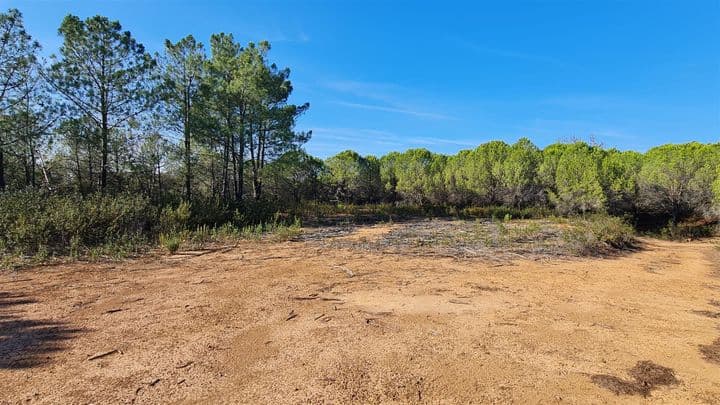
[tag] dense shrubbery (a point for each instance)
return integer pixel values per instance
(32, 222)
(36, 223)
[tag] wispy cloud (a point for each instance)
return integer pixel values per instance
(370, 90)
(438, 141)
(353, 135)
(422, 114)
(507, 53)
(386, 97)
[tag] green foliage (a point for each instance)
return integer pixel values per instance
(690, 230)
(716, 191)
(418, 174)
(32, 221)
(182, 73)
(284, 232)
(619, 172)
(547, 171)
(519, 174)
(173, 220)
(477, 175)
(294, 177)
(676, 180)
(595, 234)
(353, 178)
(577, 181)
(103, 74)
(19, 52)
(170, 242)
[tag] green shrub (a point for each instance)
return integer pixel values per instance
(689, 230)
(283, 232)
(33, 222)
(597, 234)
(175, 219)
(171, 243)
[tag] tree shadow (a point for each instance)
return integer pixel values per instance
(26, 343)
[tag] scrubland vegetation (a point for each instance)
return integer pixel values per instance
(106, 150)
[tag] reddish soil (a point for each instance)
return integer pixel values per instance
(295, 322)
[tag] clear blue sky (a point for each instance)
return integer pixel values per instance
(390, 75)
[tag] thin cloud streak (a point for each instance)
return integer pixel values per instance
(508, 53)
(437, 141)
(421, 114)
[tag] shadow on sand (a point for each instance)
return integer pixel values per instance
(26, 343)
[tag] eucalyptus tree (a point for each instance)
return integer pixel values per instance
(183, 70)
(18, 53)
(104, 74)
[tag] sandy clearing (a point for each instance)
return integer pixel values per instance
(284, 323)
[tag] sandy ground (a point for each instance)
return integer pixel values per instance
(293, 322)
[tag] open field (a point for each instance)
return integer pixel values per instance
(405, 312)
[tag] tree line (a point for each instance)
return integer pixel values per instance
(104, 115)
(671, 182)
(213, 126)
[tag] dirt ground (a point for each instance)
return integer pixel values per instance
(298, 322)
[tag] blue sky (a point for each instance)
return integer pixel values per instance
(391, 75)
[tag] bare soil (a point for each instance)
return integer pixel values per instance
(316, 322)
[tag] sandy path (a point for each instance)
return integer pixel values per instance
(285, 323)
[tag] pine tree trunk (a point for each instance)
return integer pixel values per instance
(2, 169)
(186, 130)
(104, 166)
(242, 152)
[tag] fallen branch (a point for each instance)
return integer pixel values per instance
(292, 315)
(305, 298)
(101, 355)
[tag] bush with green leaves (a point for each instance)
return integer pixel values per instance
(170, 242)
(596, 234)
(33, 221)
(177, 219)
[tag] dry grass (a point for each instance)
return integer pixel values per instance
(494, 240)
